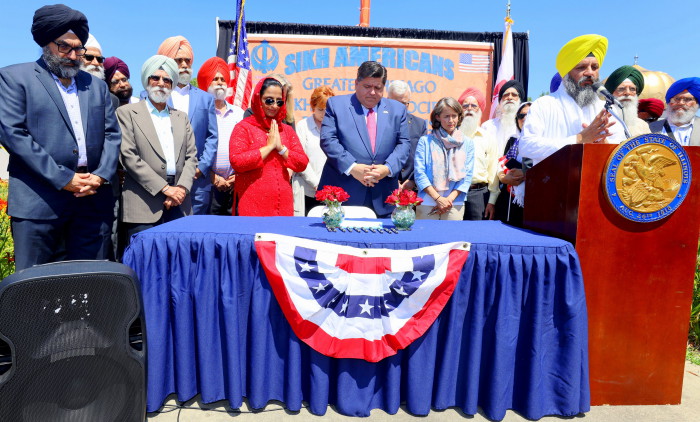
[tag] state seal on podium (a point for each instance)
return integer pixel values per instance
(647, 177)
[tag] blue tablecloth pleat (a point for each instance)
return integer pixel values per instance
(513, 335)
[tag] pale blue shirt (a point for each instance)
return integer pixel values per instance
(69, 95)
(164, 130)
(226, 121)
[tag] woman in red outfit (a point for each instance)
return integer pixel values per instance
(262, 149)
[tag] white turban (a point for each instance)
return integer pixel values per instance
(92, 42)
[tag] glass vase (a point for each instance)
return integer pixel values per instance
(403, 217)
(333, 214)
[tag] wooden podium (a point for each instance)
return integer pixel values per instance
(638, 276)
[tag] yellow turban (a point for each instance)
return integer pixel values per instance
(172, 45)
(578, 49)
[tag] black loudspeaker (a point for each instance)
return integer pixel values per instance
(67, 325)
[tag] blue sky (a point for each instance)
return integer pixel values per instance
(664, 39)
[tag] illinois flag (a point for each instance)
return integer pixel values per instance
(347, 302)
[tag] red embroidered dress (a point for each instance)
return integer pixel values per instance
(262, 187)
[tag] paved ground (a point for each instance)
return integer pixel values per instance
(687, 411)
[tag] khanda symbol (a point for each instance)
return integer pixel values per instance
(264, 57)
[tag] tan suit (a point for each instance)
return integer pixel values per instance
(144, 161)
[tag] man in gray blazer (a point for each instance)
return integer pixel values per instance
(681, 108)
(158, 153)
(58, 125)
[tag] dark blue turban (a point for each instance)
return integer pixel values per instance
(692, 85)
(512, 84)
(50, 22)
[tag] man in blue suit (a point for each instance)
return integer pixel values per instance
(58, 124)
(366, 140)
(199, 106)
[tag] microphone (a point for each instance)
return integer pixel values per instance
(600, 90)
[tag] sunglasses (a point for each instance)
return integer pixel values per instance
(269, 101)
(156, 78)
(90, 57)
(521, 115)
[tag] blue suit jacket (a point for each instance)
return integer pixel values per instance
(202, 117)
(416, 129)
(37, 132)
(345, 140)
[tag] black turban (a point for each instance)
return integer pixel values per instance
(622, 73)
(512, 84)
(50, 22)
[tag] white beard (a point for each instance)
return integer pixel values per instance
(471, 123)
(218, 91)
(184, 77)
(94, 70)
(629, 108)
(682, 117)
(157, 94)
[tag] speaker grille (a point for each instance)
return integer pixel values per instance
(69, 336)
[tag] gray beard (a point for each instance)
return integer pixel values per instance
(218, 91)
(583, 95)
(57, 66)
(629, 108)
(470, 124)
(157, 94)
(96, 71)
(184, 78)
(680, 118)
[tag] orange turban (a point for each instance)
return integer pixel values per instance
(478, 95)
(209, 69)
(172, 45)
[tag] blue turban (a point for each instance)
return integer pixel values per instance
(159, 62)
(50, 22)
(555, 82)
(692, 85)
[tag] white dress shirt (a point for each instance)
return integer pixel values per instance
(225, 121)
(181, 98)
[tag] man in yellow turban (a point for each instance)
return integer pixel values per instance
(625, 84)
(573, 114)
(199, 106)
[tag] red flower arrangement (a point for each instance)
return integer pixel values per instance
(332, 194)
(403, 198)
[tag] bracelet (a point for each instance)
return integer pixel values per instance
(438, 197)
(165, 189)
(283, 150)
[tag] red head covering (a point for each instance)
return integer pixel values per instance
(473, 92)
(257, 107)
(653, 106)
(172, 45)
(209, 69)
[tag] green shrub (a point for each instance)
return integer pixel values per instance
(694, 332)
(7, 249)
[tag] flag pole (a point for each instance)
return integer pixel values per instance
(364, 13)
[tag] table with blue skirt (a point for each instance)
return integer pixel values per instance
(514, 334)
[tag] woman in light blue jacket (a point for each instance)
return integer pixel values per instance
(443, 164)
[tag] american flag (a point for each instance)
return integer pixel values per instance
(241, 84)
(347, 302)
(474, 63)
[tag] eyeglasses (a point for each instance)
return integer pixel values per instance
(269, 101)
(90, 57)
(184, 60)
(156, 78)
(66, 49)
(650, 119)
(521, 115)
(468, 106)
(115, 82)
(682, 100)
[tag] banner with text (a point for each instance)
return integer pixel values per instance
(433, 69)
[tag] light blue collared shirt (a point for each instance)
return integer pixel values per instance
(70, 100)
(164, 130)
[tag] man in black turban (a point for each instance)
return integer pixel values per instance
(58, 124)
(502, 127)
(626, 83)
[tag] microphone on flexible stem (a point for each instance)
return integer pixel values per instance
(600, 90)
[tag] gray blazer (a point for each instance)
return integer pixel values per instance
(144, 162)
(658, 127)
